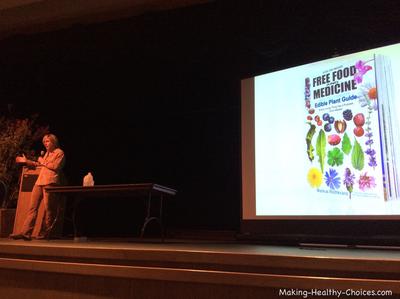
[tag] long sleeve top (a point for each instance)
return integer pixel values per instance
(51, 170)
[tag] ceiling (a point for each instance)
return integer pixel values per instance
(30, 16)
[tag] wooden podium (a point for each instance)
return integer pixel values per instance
(28, 179)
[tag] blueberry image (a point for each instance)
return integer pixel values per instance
(327, 127)
(325, 117)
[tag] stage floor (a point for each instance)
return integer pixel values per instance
(208, 262)
(207, 246)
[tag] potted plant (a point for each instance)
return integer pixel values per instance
(17, 136)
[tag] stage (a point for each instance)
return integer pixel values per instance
(177, 268)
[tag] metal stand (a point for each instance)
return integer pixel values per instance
(150, 218)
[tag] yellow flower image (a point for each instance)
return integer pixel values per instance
(314, 177)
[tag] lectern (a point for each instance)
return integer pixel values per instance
(29, 176)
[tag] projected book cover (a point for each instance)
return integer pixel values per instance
(351, 136)
(326, 137)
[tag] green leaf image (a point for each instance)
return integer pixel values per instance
(335, 157)
(310, 148)
(357, 156)
(346, 144)
(321, 145)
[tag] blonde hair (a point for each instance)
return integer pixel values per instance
(53, 138)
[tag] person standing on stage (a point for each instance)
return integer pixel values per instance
(51, 164)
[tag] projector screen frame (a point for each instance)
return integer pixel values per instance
(382, 228)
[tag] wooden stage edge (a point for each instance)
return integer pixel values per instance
(255, 268)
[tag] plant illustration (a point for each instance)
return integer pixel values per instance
(357, 156)
(321, 146)
(335, 157)
(346, 144)
(349, 181)
(310, 148)
(332, 180)
(366, 182)
(314, 177)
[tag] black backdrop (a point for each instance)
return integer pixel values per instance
(156, 98)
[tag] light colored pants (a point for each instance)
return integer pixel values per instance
(39, 194)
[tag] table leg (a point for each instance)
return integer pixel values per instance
(150, 218)
(77, 200)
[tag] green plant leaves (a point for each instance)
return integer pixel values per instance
(310, 148)
(16, 136)
(335, 157)
(321, 145)
(357, 156)
(346, 144)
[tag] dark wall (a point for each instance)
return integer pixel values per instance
(156, 98)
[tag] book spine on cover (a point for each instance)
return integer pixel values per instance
(388, 127)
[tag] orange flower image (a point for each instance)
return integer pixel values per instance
(372, 93)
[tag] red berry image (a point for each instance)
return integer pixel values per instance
(334, 139)
(359, 119)
(358, 131)
(311, 111)
(309, 117)
(316, 118)
(319, 122)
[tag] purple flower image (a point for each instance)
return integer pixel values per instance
(332, 179)
(370, 152)
(372, 161)
(361, 68)
(369, 134)
(349, 181)
(369, 142)
(348, 178)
